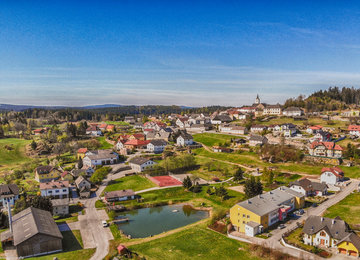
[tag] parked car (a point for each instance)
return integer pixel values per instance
(104, 223)
(281, 226)
(300, 212)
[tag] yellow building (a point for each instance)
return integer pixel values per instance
(46, 173)
(331, 233)
(81, 153)
(254, 215)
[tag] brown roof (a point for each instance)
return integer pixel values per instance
(308, 185)
(54, 185)
(119, 194)
(44, 169)
(7, 189)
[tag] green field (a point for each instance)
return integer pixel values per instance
(348, 209)
(310, 121)
(193, 243)
(72, 246)
(134, 182)
(104, 144)
(116, 123)
(210, 139)
(12, 152)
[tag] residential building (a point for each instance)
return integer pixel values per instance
(47, 173)
(9, 193)
(255, 215)
(331, 176)
(140, 164)
(55, 189)
(81, 182)
(156, 146)
(136, 144)
(220, 119)
(354, 130)
(129, 119)
(219, 149)
(272, 110)
(184, 139)
(81, 153)
(255, 140)
(322, 136)
(119, 195)
(325, 149)
(34, 233)
(331, 233)
(247, 109)
(100, 157)
(60, 207)
(257, 128)
(313, 129)
(233, 129)
(93, 131)
(309, 188)
(293, 111)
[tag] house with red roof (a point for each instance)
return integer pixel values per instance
(313, 129)
(136, 144)
(354, 130)
(103, 126)
(331, 175)
(325, 149)
(137, 136)
(81, 153)
(110, 128)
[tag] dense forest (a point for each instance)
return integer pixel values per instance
(331, 99)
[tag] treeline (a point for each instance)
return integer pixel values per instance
(331, 99)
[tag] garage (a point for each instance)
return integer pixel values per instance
(342, 251)
(353, 253)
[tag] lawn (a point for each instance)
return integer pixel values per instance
(116, 123)
(210, 139)
(104, 144)
(348, 209)
(310, 121)
(12, 151)
(73, 248)
(193, 243)
(295, 238)
(134, 182)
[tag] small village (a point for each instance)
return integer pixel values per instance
(261, 175)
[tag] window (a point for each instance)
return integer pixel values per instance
(323, 234)
(243, 222)
(49, 191)
(248, 216)
(243, 215)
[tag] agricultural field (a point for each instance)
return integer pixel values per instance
(12, 152)
(134, 182)
(194, 243)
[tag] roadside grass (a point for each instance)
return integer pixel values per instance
(72, 246)
(295, 238)
(12, 152)
(348, 209)
(210, 139)
(194, 243)
(134, 182)
(104, 144)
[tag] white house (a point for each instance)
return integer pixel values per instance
(184, 139)
(331, 175)
(55, 189)
(100, 157)
(309, 188)
(140, 164)
(272, 110)
(232, 129)
(257, 128)
(8, 193)
(354, 130)
(293, 111)
(81, 183)
(93, 131)
(156, 146)
(257, 140)
(119, 195)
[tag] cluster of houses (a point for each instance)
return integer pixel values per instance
(99, 129)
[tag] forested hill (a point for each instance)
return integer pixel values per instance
(334, 98)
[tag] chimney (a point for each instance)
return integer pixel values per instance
(322, 219)
(9, 214)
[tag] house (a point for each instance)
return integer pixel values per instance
(60, 207)
(100, 157)
(309, 188)
(129, 119)
(293, 111)
(182, 122)
(156, 146)
(122, 250)
(47, 173)
(140, 164)
(9, 193)
(219, 119)
(39, 131)
(325, 149)
(136, 144)
(272, 110)
(322, 136)
(110, 128)
(313, 129)
(120, 145)
(81, 153)
(119, 195)
(354, 130)
(34, 232)
(81, 182)
(184, 139)
(247, 109)
(219, 149)
(137, 136)
(257, 128)
(332, 175)
(331, 233)
(55, 189)
(199, 127)
(255, 140)
(232, 129)
(93, 131)
(255, 215)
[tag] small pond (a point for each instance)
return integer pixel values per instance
(151, 221)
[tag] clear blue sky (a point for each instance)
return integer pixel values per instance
(175, 52)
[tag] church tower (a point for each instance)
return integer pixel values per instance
(257, 100)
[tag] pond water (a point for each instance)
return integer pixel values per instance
(151, 221)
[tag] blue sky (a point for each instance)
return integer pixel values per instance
(175, 52)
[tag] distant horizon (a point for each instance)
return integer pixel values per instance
(66, 53)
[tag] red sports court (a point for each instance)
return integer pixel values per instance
(165, 181)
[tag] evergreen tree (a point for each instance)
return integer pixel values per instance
(33, 145)
(239, 175)
(187, 183)
(80, 163)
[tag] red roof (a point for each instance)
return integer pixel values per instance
(121, 248)
(82, 150)
(149, 130)
(138, 136)
(103, 125)
(110, 127)
(328, 145)
(137, 142)
(316, 127)
(63, 174)
(335, 170)
(248, 108)
(38, 130)
(354, 128)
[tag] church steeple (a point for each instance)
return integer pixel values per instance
(257, 99)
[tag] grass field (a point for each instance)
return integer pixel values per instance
(134, 182)
(193, 243)
(310, 121)
(73, 248)
(210, 139)
(104, 143)
(348, 209)
(12, 152)
(116, 123)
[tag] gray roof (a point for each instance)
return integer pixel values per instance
(119, 194)
(252, 224)
(336, 228)
(308, 185)
(158, 142)
(258, 138)
(270, 201)
(186, 136)
(60, 202)
(8, 189)
(80, 179)
(292, 109)
(139, 160)
(45, 169)
(32, 221)
(101, 154)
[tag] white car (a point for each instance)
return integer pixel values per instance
(104, 223)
